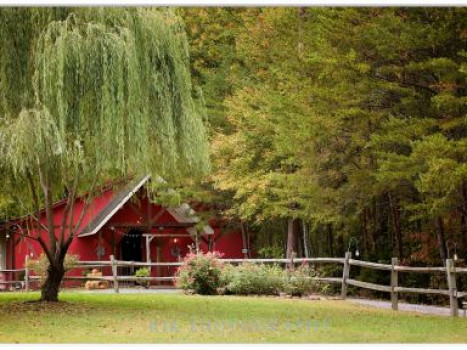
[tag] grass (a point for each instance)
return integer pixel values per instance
(176, 318)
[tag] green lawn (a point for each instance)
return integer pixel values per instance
(174, 318)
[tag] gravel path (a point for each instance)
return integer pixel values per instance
(425, 309)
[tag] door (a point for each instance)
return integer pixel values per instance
(131, 250)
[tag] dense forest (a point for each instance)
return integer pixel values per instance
(327, 124)
(324, 124)
(313, 131)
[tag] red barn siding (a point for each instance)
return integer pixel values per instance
(228, 243)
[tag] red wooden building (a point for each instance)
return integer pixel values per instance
(127, 225)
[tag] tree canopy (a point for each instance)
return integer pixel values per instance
(351, 119)
(105, 89)
(88, 96)
(324, 123)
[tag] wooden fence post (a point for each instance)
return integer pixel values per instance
(345, 274)
(394, 284)
(26, 273)
(114, 273)
(451, 276)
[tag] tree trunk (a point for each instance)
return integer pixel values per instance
(51, 286)
(210, 244)
(331, 248)
(305, 239)
(442, 240)
(363, 228)
(290, 238)
(419, 224)
(464, 214)
(383, 217)
(244, 240)
(298, 239)
(396, 217)
(372, 232)
(340, 246)
(464, 230)
(312, 248)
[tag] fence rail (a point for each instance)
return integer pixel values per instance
(394, 268)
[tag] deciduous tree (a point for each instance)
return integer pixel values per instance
(90, 96)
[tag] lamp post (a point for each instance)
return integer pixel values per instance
(357, 252)
(450, 242)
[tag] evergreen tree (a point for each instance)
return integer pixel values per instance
(352, 118)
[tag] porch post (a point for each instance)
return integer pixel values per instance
(148, 251)
(210, 243)
(99, 246)
(26, 272)
(244, 241)
(2, 259)
(12, 252)
(158, 259)
(149, 238)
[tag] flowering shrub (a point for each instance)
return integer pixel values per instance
(256, 279)
(206, 274)
(201, 273)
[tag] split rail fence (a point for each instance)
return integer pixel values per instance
(450, 270)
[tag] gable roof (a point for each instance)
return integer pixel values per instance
(183, 214)
(113, 206)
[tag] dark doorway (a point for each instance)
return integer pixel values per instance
(131, 246)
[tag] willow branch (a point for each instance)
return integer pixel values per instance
(40, 225)
(32, 187)
(26, 235)
(67, 243)
(45, 184)
(75, 228)
(68, 210)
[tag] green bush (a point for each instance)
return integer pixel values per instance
(201, 273)
(226, 277)
(299, 281)
(142, 272)
(41, 265)
(329, 270)
(274, 252)
(206, 274)
(250, 278)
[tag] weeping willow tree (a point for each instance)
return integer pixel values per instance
(88, 96)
